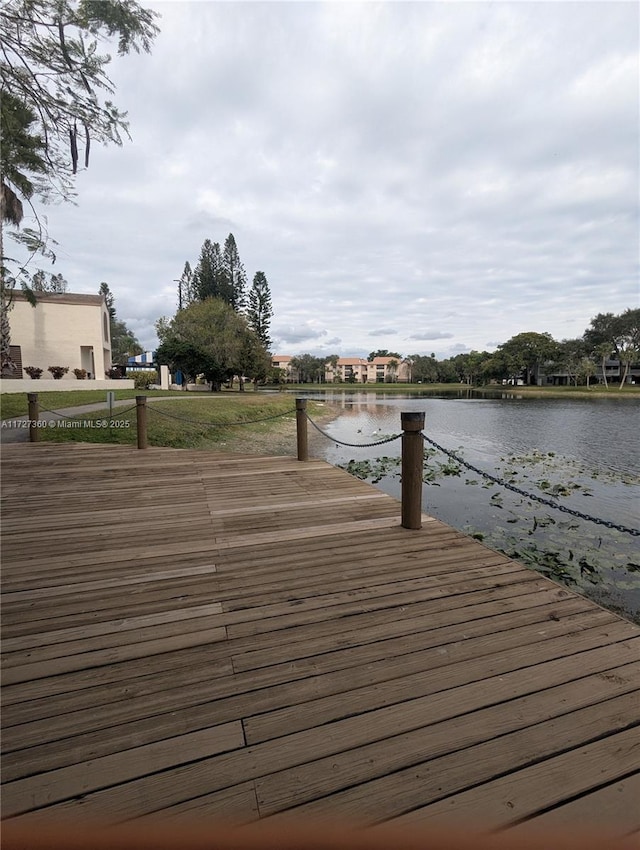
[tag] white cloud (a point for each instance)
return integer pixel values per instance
(451, 171)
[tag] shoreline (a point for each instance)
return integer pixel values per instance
(280, 439)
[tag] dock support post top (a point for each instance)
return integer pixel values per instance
(412, 462)
(301, 429)
(412, 420)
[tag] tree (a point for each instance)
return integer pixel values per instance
(526, 352)
(603, 352)
(393, 365)
(255, 362)
(383, 352)
(50, 64)
(614, 337)
(124, 343)
(186, 294)
(211, 338)
(310, 369)
(54, 283)
(446, 372)
(53, 80)
(109, 300)
(260, 311)
(587, 369)
(332, 362)
(235, 277)
(569, 356)
(424, 370)
(208, 275)
(469, 365)
(602, 334)
(21, 156)
(627, 355)
(21, 161)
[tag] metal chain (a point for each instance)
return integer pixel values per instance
(548, 502)
(220, 424)
(352, 445)
(126, 410)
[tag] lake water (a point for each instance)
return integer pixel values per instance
(582, 453)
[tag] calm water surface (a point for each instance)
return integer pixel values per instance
(587, 449)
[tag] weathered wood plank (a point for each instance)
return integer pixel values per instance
(414, 686)
(72, 692)
(522, 793)
(266, 639)
(615, 808)
(386, 779)
(108, 627)
(36, 792)
(228, 702)
(111, 655)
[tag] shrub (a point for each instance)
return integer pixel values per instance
(33, 372)
(143, 380)
(58, 371)
(80, 374)
(114, 372)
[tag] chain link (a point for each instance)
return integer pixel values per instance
(220, 424)
(547, 502)
(352, 445)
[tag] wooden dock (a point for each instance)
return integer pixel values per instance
(190, 635)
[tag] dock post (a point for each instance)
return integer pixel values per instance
(141, 418)
(34, 417)
(412, 458)
(301, 429)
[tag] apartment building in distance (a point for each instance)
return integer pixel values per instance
(283, 362)
(356, 370)
(352, 370)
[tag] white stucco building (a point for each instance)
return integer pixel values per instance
(63, 329)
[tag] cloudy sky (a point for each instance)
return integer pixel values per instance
(422, 177)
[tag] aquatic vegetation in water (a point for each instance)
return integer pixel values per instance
(568, 549)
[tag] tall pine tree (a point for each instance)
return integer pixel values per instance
(186, 294)
(260, 311)
(235, 277)
(207, 275)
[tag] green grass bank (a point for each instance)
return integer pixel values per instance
(249, 422)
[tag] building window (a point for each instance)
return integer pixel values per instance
(105, 323)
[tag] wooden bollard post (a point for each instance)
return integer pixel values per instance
(34, 417)
(141, 418)
(301, 429)
(412, 458)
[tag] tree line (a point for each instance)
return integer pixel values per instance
(56, 99)
(220, 330)
(608, 337)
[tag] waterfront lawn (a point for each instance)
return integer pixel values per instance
(196, 421)
(16, 404)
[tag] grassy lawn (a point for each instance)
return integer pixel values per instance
(15, 404)
(198, 421)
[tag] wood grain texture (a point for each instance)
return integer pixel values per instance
(192, 635)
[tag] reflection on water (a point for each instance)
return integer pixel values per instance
(586, 448)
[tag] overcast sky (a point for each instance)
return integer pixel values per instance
(422, 177)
